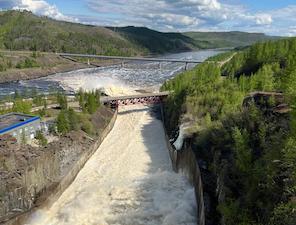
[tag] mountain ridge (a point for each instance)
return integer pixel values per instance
(22, 30)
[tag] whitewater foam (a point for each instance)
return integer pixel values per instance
(127, 181)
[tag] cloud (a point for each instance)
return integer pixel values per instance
(39, 7)
(263, 19)
(183, 15)
(171, 15)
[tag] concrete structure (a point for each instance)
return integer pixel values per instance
(19, 125)
(123, 59)
(149, 98)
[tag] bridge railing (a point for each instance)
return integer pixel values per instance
(130, 58)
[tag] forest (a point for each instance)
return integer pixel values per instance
(22, 30)
(243, 132)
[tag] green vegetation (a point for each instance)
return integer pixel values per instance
(69, 120)
(21, 106)
(226, 39)
(156, 42)
(89, 101)
(27, 63)
(221, 57)
(5, 63)
(249, 152)
(63, 122)
(25, 31)
(62, 101)
(41, 139)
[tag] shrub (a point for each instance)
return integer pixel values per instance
(63, 122)
(27, 63)
(86, 125)
(41, 139)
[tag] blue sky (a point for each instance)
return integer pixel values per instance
(274, 17)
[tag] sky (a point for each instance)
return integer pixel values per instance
(273, 17)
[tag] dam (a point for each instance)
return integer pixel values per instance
(129, 180)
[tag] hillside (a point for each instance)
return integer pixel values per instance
(26, 31)
(243, 132)
(226, 39)
(159, 42)
(154, 41)
(23, 65)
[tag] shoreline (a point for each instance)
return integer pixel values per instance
(68, 65)
(35, 73)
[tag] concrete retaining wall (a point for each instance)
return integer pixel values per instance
(184, 161)
(51, 189)
(71, 175)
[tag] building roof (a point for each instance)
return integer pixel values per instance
(14, 120)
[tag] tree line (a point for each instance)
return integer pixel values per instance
(249, 153)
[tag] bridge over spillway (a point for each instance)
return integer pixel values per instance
(147, 98)
(122, 58)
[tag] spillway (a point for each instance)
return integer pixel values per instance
(128, 180)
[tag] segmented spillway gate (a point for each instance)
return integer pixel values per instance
(147, 98)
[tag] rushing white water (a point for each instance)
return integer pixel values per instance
(135, 74)
(127, 181)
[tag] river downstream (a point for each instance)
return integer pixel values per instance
(129, 179)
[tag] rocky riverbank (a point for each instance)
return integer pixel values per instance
(34, 73)
(32, 176)
(24, 65)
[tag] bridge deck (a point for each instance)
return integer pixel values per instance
(109, 99)
(131, 58)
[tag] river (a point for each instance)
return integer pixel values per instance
(129, 179)
(134, 75)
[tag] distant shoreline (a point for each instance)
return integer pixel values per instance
(14, 75)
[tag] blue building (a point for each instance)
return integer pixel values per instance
(20, 125)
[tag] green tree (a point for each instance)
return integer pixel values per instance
(22, 106)
(243, 157)
(41, 139)
(91, 103)
(62, 101)
(73, 119)
(63, 125)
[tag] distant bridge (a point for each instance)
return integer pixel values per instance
(122, 58)
(149, 98)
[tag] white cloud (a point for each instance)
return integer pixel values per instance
(263, 19)
(39, 7)
(181, 14)
(172, 15)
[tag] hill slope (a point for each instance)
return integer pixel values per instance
(245, 145)
(154, 41)
(26, 31)
(226, 39)
(159, 42)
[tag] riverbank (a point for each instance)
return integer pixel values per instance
(32, 176)
(25, 65)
